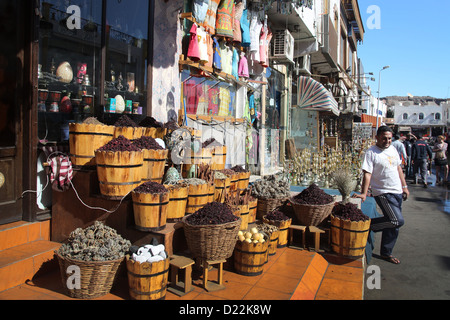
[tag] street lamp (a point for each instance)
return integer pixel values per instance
(379, 88)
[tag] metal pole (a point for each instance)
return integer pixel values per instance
(379, 88)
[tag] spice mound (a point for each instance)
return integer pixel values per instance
(313, 195)
(349, 211)
(277, 215)
(150, 122)
(145, 142)
(239, 169)
(92, 120)
(95, 243)
(271, 187)
(213, 213)
(119, 144)
(151, 187)
(125, 121)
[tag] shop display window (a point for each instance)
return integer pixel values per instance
(73, 46)
(208, 96)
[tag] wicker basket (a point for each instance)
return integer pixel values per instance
(311, 214)
(266, 206)
(96, 277)
(211, 242)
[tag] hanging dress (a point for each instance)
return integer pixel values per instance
(263, 44)
(245, 29)
(224, 19)
(235, 64)
(238, 10)
(199, 10)
(217, 59)
(265, 63)
(243, 66)
(202, 45)
(255, 33)
(210, 21)
(193, 49)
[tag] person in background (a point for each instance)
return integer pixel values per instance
(398, 144)
(408, 143)
(382, 172)
(420, 154)
(440, 160)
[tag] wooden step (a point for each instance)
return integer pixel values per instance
(22, 262)
(21, 232)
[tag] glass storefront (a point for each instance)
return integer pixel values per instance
(90, 64)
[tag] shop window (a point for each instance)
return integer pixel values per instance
(70, 72)
(207, 96)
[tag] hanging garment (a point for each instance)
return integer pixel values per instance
(245, 29)
(213, 101)
(263, 44)
(255, 33)
(231, 105)
(202, 45)
(61, 172)
(202, 108)
(193, 49)
(210, 50)
(224, 101)
(199, 10)
(252, 108)
(235, 64)
(217, 59)
(238, 10)
(191, 94)
(265, 63)
(224, 19)
(210, 21)
(227, 57)
(243, 66)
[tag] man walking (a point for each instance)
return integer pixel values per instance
(420, 153)
(382, 172)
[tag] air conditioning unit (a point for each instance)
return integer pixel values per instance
(283, 46)
(303, 65)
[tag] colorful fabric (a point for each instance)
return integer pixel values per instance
(224, 101)
(202, 108)
(224, 19)
(199, 10)
(213, 101)
(245, 29)
(243, 67)
(192, 96)
(211, 14)
(235, 64)
(226, 54)
(202, 45)
(238, 10)
(217, 59)
(265, 63)
(193, 49)
(61, 172)
(263, 44)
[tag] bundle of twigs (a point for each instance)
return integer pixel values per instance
(234, 198)
(204, 172)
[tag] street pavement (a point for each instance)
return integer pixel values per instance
(423, 247)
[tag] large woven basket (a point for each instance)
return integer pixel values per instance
(211, 242)
(311, 214)
(266, 206)
(96, 277)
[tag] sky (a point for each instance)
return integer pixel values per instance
(413, 38)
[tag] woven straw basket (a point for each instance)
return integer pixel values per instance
(311, 215)
(96, 277)
(211, 242)
(266, 206)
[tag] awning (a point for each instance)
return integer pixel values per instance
(369, 119)
(313, 96)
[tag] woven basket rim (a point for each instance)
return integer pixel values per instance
(88, 262)
(265, 217)
(292, 201)
(183, 220)
(275, 199)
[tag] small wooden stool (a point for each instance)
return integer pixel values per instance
(291, 234)
(317, 232)
(210, 285)
(180, 263)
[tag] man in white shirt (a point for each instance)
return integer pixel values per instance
(382, 171)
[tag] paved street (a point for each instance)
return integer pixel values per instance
(423, 248)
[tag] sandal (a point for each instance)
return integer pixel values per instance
(391, 259)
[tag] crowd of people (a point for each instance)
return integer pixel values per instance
(419, 154)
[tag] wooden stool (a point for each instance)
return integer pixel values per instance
(180, 263)
(291, 234)
(317, 232)
(210, 285)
